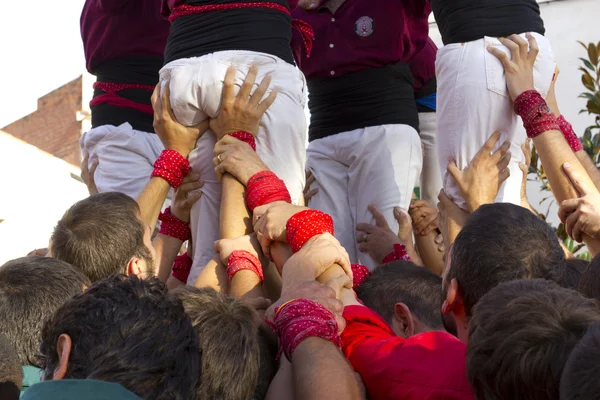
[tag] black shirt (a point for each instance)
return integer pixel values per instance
(462, 21)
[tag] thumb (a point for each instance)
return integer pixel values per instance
(403, 218)
(454, 171)
(579, 181)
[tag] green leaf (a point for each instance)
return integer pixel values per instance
(593, 53)
(588, 82)
(590, 96)
(592, 107)
(588, 64)
(582, 44)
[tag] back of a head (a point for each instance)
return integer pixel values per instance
(228, 333)
(581, 376)
(404, 282)
(128, 331)
(31, 290)
(100, 234)
(11, 374)
(570, 277)
(521, 334)
(502, 242)
(589, 285)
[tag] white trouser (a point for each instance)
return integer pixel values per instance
(431, 180)
(125, 157)
(473, 102)
(195, 93)
(376, 165)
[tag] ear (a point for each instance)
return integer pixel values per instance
(134, 267)
(454, 300)
(63, 350)
(404, 317)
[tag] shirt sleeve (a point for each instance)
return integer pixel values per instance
(368, 343)
(114, 7)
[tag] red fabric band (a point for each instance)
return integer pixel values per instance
(111, 97)
(359, 274)
(301, 318)
(172, 226)
(265, 187)
(398, 254)
(245, 137)
(536, 115)
(567, 130)
(306, 224)
(243, 260)
(303, 27)
(172, 167)
(182, 267)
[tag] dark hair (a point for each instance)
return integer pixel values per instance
(31, 290)
(128, 331)
(403, 281)
(501, 242)
(11, 374)
(228, 333)
(268, 365)
(520, 337)
(580, 377)
(571, 276)
(589, 285)
(100, 235)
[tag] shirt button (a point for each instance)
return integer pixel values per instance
(332, 73)
(331, 45)
(332, 19)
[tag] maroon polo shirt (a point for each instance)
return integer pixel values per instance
(422, 65)
(167, 5)
(361, 35)
(113, 29)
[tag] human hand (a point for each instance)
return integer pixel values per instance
(172, 134)
(260, 305)
(249, 243)
(184, 199)
(551, 97)
(315, 257)
(244, 111)
(309, 4)
(424, 217)
(582, 215)
(270, 222)
(308, 192)
(87, 174)
(236, 158)
(519, 69)
(480, 181)
(452, 218)
(405, 227)
(311, 290)
(39, 252)
(377, 240)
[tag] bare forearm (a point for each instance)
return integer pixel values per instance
(167, 248)
(428, 250)
(152, 199)
(322, 372)
(589, 166)
(213, 275)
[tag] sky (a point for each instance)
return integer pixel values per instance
(40, 53)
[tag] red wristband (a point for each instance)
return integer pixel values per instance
(172, 226)
(306, 224)
(172, 167)
(536, 115)
(567, 130)
(245, 137)
(265, 187)
(398, 254)
(243, 260)
(359, 274)
(301, 318)
(181, 267)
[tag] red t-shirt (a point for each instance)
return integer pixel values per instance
(427, 366)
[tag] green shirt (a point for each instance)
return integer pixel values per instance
(31, 376)
(78, 389)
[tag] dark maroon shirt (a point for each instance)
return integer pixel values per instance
(167, 5)
(422, 66)
(113, 29)
(362, 34)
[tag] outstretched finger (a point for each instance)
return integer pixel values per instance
(500, 153)
(488, 146)
(266, 103)
(229, 84)
(380, 220)
(367, 228)
(500, 55)
(534, 49)
(246, 88)
(578, 181)
(504, 161)
(260, 91)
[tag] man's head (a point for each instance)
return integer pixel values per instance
(408, 297)
(124, 330)
(521, 334)
(570, 277)
(104, 235)
(11, 374)
(589, 285)
(500, 242)
(31, 290)
(228, 333)
(581, 375)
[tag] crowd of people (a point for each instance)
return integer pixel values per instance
(228, 251)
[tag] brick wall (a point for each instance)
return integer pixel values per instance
(56, 126)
